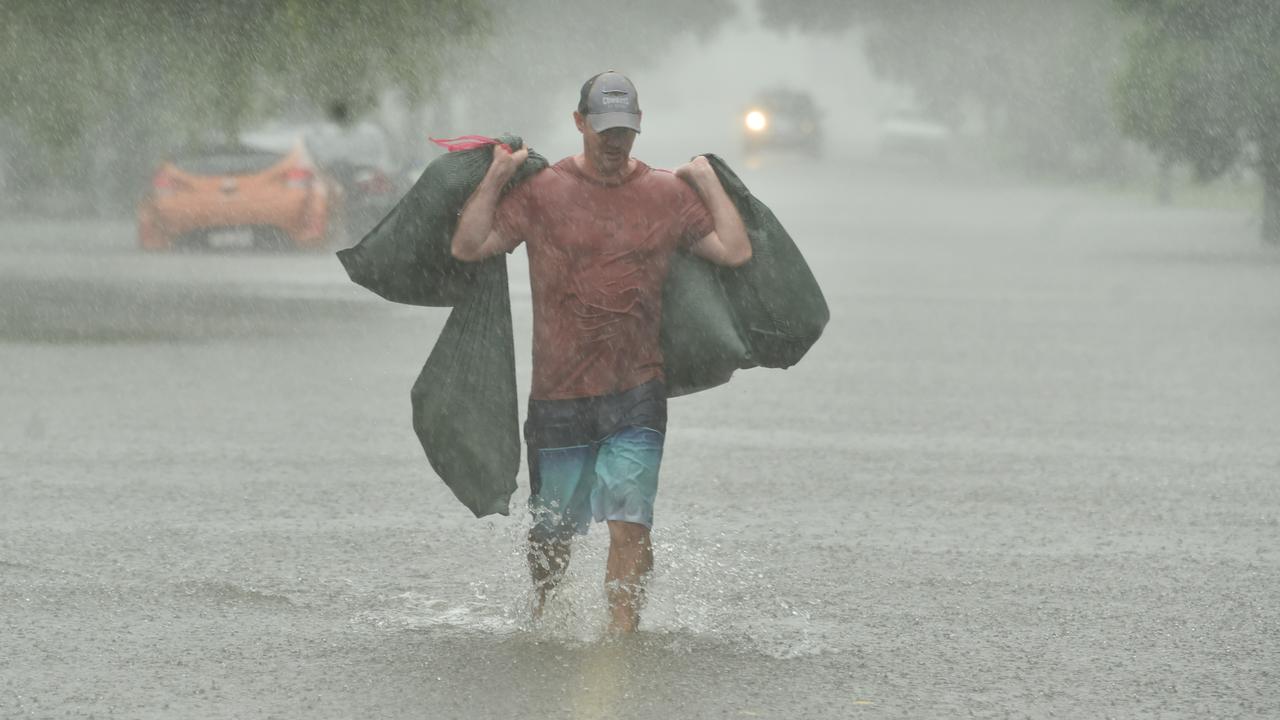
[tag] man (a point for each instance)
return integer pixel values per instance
(600, 228)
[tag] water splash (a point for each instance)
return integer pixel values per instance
(705, 589)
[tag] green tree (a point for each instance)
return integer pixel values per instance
(135, 77)
(1202, 86)
(1038, 70)
(148, 73)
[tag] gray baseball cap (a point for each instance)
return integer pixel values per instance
(610, 100)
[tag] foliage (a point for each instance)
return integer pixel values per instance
(202, 67)
(1202, 86)
(121, 81)
(1203, 80)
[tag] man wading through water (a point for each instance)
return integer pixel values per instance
(600, 228)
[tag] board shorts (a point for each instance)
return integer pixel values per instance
(595, 458)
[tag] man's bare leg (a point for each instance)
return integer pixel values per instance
(630, 561)
(548, 560)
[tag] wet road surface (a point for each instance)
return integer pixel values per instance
(1031, 470)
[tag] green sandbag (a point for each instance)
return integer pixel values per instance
(464, 400)
(766, 313)
(715, 320)
(702, 345)
(406, 257)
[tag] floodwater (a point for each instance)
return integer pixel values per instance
(1030, 470)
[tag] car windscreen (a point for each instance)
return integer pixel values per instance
(791, 103)
(233, 161)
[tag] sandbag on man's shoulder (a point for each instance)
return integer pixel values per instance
(766, 313)
(406, 257)
(465, 400)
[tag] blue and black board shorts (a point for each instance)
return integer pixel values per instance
(595, 457)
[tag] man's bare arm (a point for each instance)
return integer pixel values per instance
(728, 244)
(474, 238)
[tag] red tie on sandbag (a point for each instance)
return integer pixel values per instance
(467, 142)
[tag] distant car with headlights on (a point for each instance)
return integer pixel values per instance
(239, 196)
(784, 119)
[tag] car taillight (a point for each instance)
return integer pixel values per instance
(298, 178)
(164, 184)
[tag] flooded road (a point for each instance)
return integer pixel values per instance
(1030, 470)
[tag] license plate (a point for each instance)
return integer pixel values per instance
(237, 238)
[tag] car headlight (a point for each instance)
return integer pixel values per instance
(756, 121)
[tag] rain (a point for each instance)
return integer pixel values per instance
(1029, 469)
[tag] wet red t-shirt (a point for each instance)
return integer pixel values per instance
(598, 255)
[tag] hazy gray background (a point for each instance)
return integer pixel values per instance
(1029, 471)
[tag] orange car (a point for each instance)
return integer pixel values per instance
(240, 197)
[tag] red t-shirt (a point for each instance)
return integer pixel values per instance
(598, 255)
